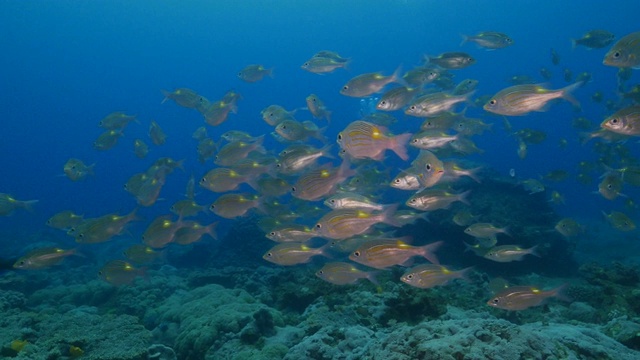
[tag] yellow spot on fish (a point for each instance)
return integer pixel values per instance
(362, 215)
(166, 224)
(325, 173)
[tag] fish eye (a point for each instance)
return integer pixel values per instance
(616, 54)
(415, 141)
(492, 102)
(356, 253)
(412, 107)
(496, 300)
(318, 226)
(22, 262)
(333, 201)
(614, 120)
(397, 181)
(320, 272)
(428, 167)
(305, 64)
(273, 233)
(345, 87)
(409, 277)
(269, 254)
(212, 206)
(383, 102)
(339, 136)
(239, 74)
(293, 189)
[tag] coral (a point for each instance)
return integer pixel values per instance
(209, 316)
(11, 300)
(624, 330)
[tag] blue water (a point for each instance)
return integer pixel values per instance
(65, 65)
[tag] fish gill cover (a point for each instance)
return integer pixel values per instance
(319, 180)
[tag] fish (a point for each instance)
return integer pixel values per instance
(434, 104)
(317, 108)
(345, 223)
(427, 276)
(532, 186)
(218, 112)
(184, 97)
(434, 199)
(299, 157)
(230, 206)
(288, 254)
(206, 149)
(65, 220)
(451, 60)
(625, 53)
(489, 40)
(76, 170)
(508, 253)
(140, 148)
(594, 39)
(370, 83)
(43, 258)
(625, 121)
(523, 297)
(119, 272)
(484, 230)
(465, 87)
(291, 233)
(349, 200)
(385, 252)
(546, 73)
(429, 168)
(464, 218)
(275, 114)
(142, 254)
(158, 137)
(619, 221)
(272, 186)
(201, 134)
(161, 231)
(107, 140)
(342, 273)
(423, 75)
(293, 130)
(316, 184)
(611, 186)
(397, 98)
(520, 100)
(8, 204)
(365, 140)
(407, 180)
(324, 65)
(568, 227)
(254, 73)
(233, 152)
(103, 228)
(192, 231)
(187, 208)
(116, 120)
(431, 139)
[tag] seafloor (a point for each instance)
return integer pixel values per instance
(220, 300)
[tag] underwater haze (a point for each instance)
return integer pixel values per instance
(225, 180)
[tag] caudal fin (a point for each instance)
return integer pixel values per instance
(428, 252)
(566, 93)
(399, 145)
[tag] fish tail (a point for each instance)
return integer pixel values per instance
(371, 276)
(319, 134)
(327, 115)
(399, 145)
(211, 230)
(463, 197)
(464, 274)
(28, 205)
(166, 96)
(566, 93)
(573, 44)
(465, 39)
(428, 251)
(345, 170)
(534, 251)
(560, 293)
(270, 72)
(473, 173)
(387, 215)
(397, 78)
